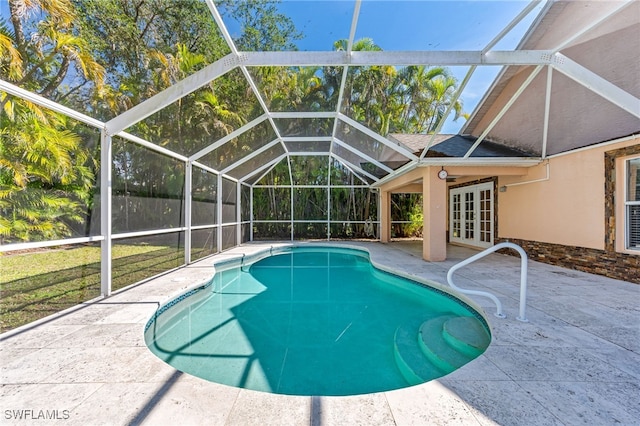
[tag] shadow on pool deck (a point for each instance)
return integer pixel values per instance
(576, 362)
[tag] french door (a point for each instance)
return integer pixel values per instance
(471, 215)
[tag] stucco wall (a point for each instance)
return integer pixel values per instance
(566, 209)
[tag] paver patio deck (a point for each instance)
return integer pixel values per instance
(577, 360)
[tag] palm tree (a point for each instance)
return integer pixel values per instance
(45, 178)
(426, 94)
(363, 83)
(307, 94)
(47, 53)
(46, 175)
(442, 90)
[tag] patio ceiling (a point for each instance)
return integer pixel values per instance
(549, 47)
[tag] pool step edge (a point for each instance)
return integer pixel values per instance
(411, 362)
(467, 335)
(437, 349)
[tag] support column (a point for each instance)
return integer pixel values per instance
(219, 213)
(434, 201)
(106, 186)
(329, 199)
(188, 179)
(238, 213)
(385, 216)
(251, 214)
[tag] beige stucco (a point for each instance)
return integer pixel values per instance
(434, 227)
(567, 209)
(561, 118)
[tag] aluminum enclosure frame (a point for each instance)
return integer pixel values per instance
(551, 59)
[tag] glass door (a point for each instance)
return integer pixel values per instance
(471, 215)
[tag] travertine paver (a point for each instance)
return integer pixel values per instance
(576, 362)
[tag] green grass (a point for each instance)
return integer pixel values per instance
(34, 285)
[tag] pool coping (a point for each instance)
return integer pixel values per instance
(569, 365)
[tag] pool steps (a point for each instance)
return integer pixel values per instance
(442, 344)
(467, 335)
(410, 359)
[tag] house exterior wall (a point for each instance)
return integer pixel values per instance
(575, 218)
(577, 116)
(435, 200)
(566, 209)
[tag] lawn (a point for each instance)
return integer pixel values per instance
(36, 284)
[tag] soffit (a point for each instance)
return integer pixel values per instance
(577, 116)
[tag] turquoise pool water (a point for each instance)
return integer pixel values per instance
(311, 321)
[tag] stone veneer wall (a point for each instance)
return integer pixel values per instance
(611, 264)
(610, 191)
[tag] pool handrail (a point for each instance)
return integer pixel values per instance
(523, 278)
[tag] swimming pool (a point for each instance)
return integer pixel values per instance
(315, 321)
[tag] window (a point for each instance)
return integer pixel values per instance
(632, 204)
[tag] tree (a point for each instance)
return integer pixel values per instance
(386, 99)
(47, 48)
(45, 178)
(365, 87)
(46, 174)
(429, 92)
(263, 26)
(134, 39)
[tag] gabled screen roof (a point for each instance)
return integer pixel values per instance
(334, 78)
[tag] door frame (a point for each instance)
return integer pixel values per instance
(458, 230)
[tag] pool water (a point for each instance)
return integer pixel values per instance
(311, 321)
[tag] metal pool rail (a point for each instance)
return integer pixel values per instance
(523, 278)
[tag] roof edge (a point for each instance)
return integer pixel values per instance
(467, 162)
